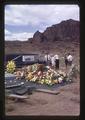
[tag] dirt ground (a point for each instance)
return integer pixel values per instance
(65, 103)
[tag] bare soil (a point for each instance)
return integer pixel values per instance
(65, 103)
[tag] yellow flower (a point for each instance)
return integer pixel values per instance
(10, 68)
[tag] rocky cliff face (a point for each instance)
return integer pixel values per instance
(64, 31)
(55, 38)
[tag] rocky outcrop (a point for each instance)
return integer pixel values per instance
(56, 37)
(37, 37)
(66, 30)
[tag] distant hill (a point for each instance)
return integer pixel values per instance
(64, 31)
(63, 36)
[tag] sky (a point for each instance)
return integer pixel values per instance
(22, 21)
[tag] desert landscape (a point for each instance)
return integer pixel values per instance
(57, 39)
